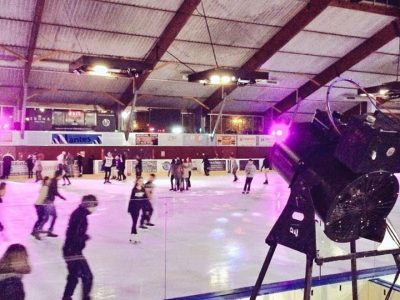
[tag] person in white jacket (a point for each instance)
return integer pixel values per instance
(250, 171)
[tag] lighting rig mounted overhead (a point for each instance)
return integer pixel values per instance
(386, 91)
(218, 76)
(109, 67)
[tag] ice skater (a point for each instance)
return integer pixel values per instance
(171, 173)
(136, 201)
(41, 208)
(234, 168)
(50, 209)
(13, 266)
(266, 166)
(8, 158)
(38, 168)
(186, 174)
(66, 174)
(190, 164)
(139, 166)
(2, 193)
(147, 203)
(206, 165)
(107, 164)
(79, 160)
(61, 160)
(178, 175)
(30, 165)
(75, 242)
(250, 171)
(123, 165)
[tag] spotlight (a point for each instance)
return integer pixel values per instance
(125, 115)
(177, 129)
(151, 129)
(112, 67)
(280, 131)
(228, 76)
(42, 109)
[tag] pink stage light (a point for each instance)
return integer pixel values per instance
(280, 131)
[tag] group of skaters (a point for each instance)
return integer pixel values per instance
(179, 173)
(66, 165)
(114, 167)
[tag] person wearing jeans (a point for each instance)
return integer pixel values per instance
(250, 171)
(50, 209)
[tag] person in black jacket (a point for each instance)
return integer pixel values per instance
(79, 160)
(136, 201)
(30, 164)
(206, 165)
(8, 158)
(123, 165)
(13, 265)
(50, 209)
(266, 166)
(139, 166)
(75, 242)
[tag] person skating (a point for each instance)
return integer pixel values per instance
(266, 166)
(107, 164)
(30, 165)
(147, 203)
(118, 165)
(41, 208)
(206, 165)
(186, 174)
(178, 175)
(138, 195)
(50, 209)
(234, 167)
(38, 168)
(8, 158)
(70, 161)
(190, 164)
(2, 193)
(123, 165)
(139, 166)
(250, 171)
(13, 266)
(171, 173)
(75, 242)
(66, 174)
(61, 160)
(79, 160)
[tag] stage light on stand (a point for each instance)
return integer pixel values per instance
(100, 70)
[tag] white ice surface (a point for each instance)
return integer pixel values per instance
(208, 239)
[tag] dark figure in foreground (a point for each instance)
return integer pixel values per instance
(13, 265)
(206, 164)
(75, 242)
(8, 158)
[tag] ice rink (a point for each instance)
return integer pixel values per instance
(208, 239)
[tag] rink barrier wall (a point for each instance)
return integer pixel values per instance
(19, 168)
(291, 285)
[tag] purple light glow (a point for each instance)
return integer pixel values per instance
(280, 131)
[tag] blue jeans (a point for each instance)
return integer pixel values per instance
(50, 211)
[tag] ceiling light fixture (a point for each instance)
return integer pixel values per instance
(220, 76)
(110, 67)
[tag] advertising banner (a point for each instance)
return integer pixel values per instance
(105, 122)
(197, 140)
(146, 139)
(149, 166)
(265, 140)
(82, 139)
(218, 164)
(39, 120)
(226, 140)
(247, 140)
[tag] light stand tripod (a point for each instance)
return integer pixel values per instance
(299, 234)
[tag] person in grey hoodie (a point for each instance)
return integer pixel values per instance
(250, 171)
